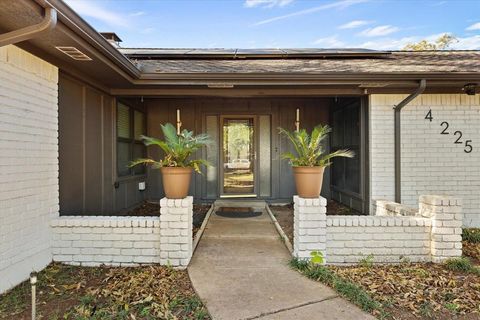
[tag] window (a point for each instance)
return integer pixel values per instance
(346, 172)
(130, 126)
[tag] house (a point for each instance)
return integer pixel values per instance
(73, 104)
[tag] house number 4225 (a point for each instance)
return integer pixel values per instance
(458, 134)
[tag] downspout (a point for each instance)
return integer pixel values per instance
(49, 21)
(398, 158)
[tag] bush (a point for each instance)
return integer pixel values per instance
(459, 264)
(471, 235)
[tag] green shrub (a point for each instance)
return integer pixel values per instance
(471, 235)
(459, 264)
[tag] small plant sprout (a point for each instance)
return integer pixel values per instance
(316, 257)
(366, 262)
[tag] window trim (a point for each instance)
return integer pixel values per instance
(132, 141)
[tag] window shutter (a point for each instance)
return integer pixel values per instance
(123, 121)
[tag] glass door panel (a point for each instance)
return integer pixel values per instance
(238, 156)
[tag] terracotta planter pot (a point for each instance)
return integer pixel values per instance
(176, 181)
(308, 181)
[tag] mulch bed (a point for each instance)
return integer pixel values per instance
(284, 215)
(412, 291)
(152, 209)
(71, 292)
(472, 250)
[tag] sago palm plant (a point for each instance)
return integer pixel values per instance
(309, 149)
(177, 148)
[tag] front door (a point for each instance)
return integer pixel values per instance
(238, 156)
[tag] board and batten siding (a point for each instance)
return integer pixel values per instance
(431, 163)
(87, 143)
(28, 163)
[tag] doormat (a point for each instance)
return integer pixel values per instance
(232, 212)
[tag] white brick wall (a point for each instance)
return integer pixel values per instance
(430, 233)
(28, 163)
(176, 224)
(431, 162)
(351, 238)
(309, 226)
(96, 240)
(446, 234)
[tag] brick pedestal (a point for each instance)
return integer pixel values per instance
(176, 222)
(446, 233)
(310, 226)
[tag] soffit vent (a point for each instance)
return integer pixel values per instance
(74, 53)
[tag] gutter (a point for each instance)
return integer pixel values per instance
(49, 22)
(398, 165)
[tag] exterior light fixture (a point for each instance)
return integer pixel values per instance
(297, 120)
(179, 122)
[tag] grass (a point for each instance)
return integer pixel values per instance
(462, 264)
(459, 264)
(347, 289)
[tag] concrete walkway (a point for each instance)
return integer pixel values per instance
(240, 270)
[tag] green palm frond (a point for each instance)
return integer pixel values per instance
(309, 148)
(177, 149)
(144, 161)
(325, 160)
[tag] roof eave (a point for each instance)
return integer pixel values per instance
(81, 28)
(457, 76)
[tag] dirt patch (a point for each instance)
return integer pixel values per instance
(410, 291)
(199, 214)
(284, 215)
(70, 292)
(149, 209)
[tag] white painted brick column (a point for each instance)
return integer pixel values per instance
(446, 233)
(310, 226)
(176, 222)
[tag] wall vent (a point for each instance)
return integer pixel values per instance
(74, 53)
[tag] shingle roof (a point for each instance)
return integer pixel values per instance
(396, 62)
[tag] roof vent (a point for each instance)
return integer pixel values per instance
(74, 53)
(112, 38)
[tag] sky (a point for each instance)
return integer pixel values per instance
(372, 24)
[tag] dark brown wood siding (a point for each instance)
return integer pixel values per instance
(87, 161)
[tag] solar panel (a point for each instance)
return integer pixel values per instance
(265, 53)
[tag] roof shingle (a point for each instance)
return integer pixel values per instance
(396, 62)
